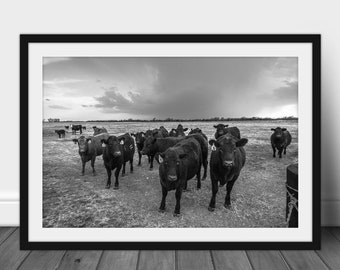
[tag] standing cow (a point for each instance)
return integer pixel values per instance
(75, 128)
(60, 132)
(140, 140)
(226, 161)
(117, 151)
(178, 165)
(153, 145)
(89, 149)
(222, 129)
(280, 139)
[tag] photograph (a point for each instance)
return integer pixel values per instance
(170, 142)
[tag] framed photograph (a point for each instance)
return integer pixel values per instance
(170, 141)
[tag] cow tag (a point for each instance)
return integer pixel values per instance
(143, 135)
(121, 142)
(89, 141)
(213, 147)
(103, 145)
(160, 159)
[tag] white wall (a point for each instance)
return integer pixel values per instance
(190, 16)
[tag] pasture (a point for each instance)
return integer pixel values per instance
(71, 200)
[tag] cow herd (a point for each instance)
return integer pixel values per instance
(180, 156)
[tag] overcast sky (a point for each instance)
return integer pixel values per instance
(103, 88)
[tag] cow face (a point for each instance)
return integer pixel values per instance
(148, 145)
(278, 133)
(83, 143)
(114, 145)
(220, 129)
(140, 137)
(173, 133)
(227, 147)
(171, 161)
(180, 130)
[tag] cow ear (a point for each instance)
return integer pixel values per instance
(273, 129)
(160, 159)
(133, 134)
(211, 142)
(185, 129)
(284, 129)
(226, 125)
(241, 142)
(103, 141)
(75, 141)
(215, 126)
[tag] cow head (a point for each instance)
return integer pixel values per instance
(56, 131)
(227, 146)
(195, 130)
(278, 133)
(140, 137)
(171, 161)
(173, 133)
(220, 129)
(181, 130)
(114, 144)
(148, 145)
(83, 143)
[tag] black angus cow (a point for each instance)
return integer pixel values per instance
(198, 131)
(173, 133)
(97, 130)
(60, 132)
(226, 162)
(154, 145)
(280, 139)
(89, 149)
(163, 131)
(179, 164)
(140, 140)
(75, 128)
(117, 151)
(204, 149)
(222, 129)
(180, 130)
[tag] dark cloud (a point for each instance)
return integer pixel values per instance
(47, 99)
(59, 107)
(287, 94)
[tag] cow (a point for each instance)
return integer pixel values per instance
(280, 139)
(173, 133)
(117, 151)
(198, 131)
(153, 145)
(140, 140)
(60, 132)
(226, 162)
(202, 140)
(67, 127)
(163, 132)
(75, 128)
(222, 129)
(179, 164)
(181, 130)
(89, 149)
(97, 130)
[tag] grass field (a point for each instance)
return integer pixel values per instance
(71, 200)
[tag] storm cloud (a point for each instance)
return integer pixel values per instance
(186, 87)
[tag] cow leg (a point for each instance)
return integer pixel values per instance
(116, 177)
(229, 187)
(274, 150)
(284, 152)
(131, 165)
(178, 201)
(280, 152)
(83, 167)
(151, 161)
(185, 186)
(123, 171)
(92, 165)
(139, 158)
(164, 194)
(214, 189)
(109, 173)
(199, 178)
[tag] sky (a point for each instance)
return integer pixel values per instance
(114, 88)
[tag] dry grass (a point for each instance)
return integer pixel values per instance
(71, 200)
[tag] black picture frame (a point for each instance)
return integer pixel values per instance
(27, 39)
